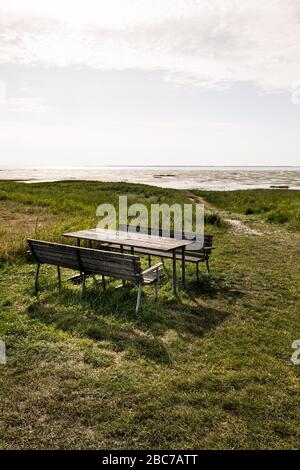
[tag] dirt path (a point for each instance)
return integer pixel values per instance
(239, 226)
(235, 223)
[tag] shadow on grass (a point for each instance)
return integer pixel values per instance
(209, 287)
(109, 316)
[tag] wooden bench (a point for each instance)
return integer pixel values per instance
(87, 261)
(201, 255)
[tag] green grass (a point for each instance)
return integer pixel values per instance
(82, 198)
(210, 369)
(277, 206)
(46, 210)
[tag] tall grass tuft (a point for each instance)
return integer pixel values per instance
(213, 218)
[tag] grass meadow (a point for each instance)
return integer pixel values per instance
(208, 369)
(278, 206)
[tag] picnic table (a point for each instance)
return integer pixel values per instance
(137, 240)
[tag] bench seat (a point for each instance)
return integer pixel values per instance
(90, 262)
(162, 254)
(149, 275)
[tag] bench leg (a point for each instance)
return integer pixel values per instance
(103, 282)
(36, 278)
(197, 271)
(83, 284)
(149, 260)
(207, 265)
(156, 287)
(59, 277)
(138, 299)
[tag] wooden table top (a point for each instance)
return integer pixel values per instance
(138, 240)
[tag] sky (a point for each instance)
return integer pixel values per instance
(149, 82)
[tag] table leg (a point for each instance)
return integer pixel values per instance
(122, 251)
(174, 273)
(78, 241)
(183, 267)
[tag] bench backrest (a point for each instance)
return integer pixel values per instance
(87, 260)
(207, 243)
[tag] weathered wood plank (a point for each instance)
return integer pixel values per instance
(88, 261)
(173, 234)
(129, 239)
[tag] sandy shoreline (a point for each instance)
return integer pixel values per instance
(209, 178)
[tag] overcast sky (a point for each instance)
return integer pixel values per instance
(140, 82)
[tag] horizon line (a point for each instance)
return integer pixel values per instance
(146, 166)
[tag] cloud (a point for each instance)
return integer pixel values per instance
(199, 42)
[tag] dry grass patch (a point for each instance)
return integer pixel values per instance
(19, 222)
